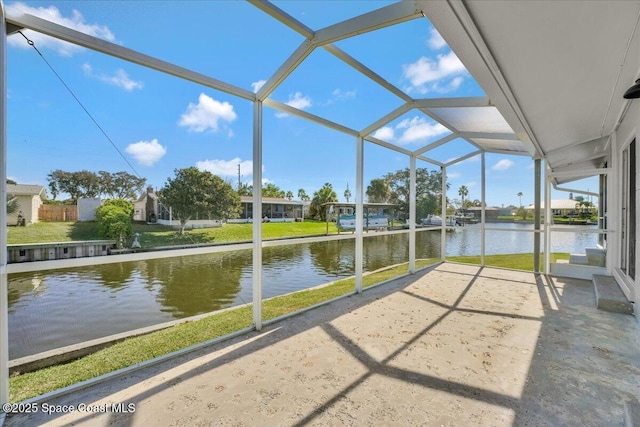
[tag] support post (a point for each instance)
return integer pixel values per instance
(359, 255)
(536, 216)
(257, 214)
(412, 215)
(443, 215)
(548, 220)
(4, 293)
(483, 237)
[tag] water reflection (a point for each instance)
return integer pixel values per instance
(334, 258)
(113, 276)
(186, 286)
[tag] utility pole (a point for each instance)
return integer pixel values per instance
(239, 182)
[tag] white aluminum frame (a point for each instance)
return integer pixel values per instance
(383, 17)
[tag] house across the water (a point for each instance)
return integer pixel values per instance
(273, 210)
(28, 198)
(149, 209)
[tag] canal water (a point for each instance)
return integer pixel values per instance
(54, 308)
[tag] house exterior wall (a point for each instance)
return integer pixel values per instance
(139, 210)
(28, 206)
(628, 130)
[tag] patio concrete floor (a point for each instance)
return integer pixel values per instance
(455, 345)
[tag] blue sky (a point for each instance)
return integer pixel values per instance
(161, 123)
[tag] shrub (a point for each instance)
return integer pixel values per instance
(114, 219)
(123, 204)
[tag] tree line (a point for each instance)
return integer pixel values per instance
(84, 183)
(193, 193)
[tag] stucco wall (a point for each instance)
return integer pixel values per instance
(28, 206)
(87, 209)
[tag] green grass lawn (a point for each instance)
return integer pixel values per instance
(159, 235)
(512, 261)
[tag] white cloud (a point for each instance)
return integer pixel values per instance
(453, 175)
(456, 82)
(435, 40)
(257, 85)
(76, 21)
(146, 153)
(503, 164)
(120, 78)
(385, 133)
(296, 100)
(228, 168)
(427, 75)
(412, 130)
(338, 95)
(348, 94)
(418, 129)
(207, 114)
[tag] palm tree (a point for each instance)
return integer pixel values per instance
(347, 193)
(320, 198)
(520, 196)
(378, 191)
(463, 191)
(302, 195)
(12, 204)
(289, 195)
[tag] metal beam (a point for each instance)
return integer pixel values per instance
(430, 160)
(577, 173)
(387, 145)
(311, 117)
(384, 17)
(72, 36)
(457, 27)
(12, 29)
(440, 120)
(436, 144)
(443, 215)
(282, 16)
(547, 223)
(257, 214)
(463, 158)
(386, 119)
(359, 255)
(593, 143)
(507, 152)
(489, 135)
(4, 291)
(475, 144)
(460, 102)
(536, 215)
(412, 214)
(355, 64)
(483, 208)
(285, 70)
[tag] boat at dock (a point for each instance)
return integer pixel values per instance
(437, 220)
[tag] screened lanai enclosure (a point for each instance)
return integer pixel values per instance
(488, 98)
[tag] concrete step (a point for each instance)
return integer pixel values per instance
(609, 296)
(632, 413)
(580, 259)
